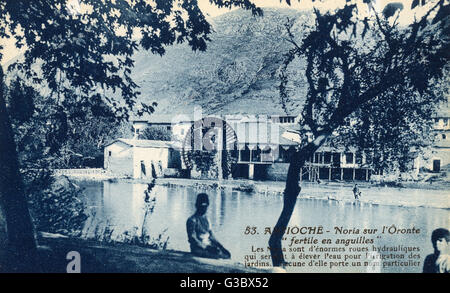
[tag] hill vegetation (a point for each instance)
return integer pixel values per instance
(238, 73)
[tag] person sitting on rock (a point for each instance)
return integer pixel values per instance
(201, 238)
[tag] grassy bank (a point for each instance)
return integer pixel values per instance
(99, 257)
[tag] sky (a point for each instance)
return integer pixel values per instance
(406, 16)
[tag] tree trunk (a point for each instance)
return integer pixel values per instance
(291, 192)
(22, 252)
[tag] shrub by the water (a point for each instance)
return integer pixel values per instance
(55, 203)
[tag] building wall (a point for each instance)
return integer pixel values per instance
(158, 156)
(125, 160)
(441, 154)
(179, 131)
(118, 159)
(441, 148)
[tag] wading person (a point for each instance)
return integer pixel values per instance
(356, 192)
(201, 239)
(439, 261)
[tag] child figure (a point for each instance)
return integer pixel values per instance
(439, 261)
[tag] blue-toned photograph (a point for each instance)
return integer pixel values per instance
(211, 136)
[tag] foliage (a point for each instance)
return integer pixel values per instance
(156, 133)
(21, 101)
(201, 154)
(30, 133)
(392, 130)
(66, 136)
(238, 69)
(90, 128)
(348, 73)
(82, 61)
(374, 89)
(55, 204)
(87, 53)
(145, 238)
(204, 162)
(83, 55)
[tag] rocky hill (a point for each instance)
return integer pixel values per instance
(238, 73)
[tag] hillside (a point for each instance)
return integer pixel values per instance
(238, 73)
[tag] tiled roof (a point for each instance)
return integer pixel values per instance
(144, 143)
(161, 118)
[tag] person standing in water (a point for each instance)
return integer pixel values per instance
(200, 237)
(356, 192)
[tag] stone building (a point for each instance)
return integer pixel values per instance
(139, 158)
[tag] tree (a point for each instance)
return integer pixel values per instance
(156, 133)
(359, 69)
(83, 55)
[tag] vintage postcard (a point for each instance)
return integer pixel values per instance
(210, 136)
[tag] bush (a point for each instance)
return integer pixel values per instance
(55, 203)
(156, 133)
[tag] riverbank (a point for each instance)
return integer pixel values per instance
(425, 195)
(432, 193)
(99, 257)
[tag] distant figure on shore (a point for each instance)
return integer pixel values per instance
(160, 169)
(143, 171)
(154, 175)
(439, 261)
(356, 192)
(201, 238)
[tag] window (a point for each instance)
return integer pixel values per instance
(336, 159)
(359, 158)
(168, 127)
(256, 155)
(317, 158)
(266, 155)
(327, 158)
(444, 136)
(182, 131)
(349, 158)
(245, 154)
(436, 165)
(109, 153)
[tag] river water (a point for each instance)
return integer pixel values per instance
(116, 209)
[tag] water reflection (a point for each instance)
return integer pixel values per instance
(118, 207)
